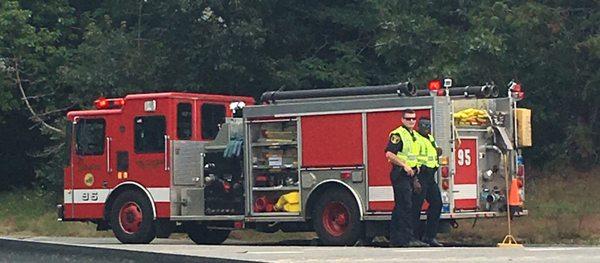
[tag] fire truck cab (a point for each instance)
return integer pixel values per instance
(120, 172)
(148, 165)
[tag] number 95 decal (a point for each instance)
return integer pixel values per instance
(464, 157)
(89, 196)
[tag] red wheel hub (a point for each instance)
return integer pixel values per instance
(335, 218)
(130, 217)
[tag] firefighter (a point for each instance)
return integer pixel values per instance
(402, 151)
(426, 187)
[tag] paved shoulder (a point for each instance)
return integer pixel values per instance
(108, 249)
(18, 250)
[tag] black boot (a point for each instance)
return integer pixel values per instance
(433, 242)
(412, 243)
(416, 243)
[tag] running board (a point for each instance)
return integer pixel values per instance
(467, 215)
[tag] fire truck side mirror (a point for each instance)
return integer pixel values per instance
(447, 82)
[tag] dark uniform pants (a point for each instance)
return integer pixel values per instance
(431, 193)
(401, 225)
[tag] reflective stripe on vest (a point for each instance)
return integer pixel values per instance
(428, 155)
(410, 148)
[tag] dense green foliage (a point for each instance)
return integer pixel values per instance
(64, 54)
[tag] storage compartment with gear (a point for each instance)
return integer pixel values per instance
(273, 157)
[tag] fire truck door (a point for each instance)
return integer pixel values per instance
(465, 178)
(90, 165)
(149, 159)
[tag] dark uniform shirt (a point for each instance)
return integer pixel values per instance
(394, 146)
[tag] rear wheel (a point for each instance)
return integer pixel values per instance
(336, 219)
(131, 218)
(200, 234)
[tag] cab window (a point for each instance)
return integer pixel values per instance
(89, 136)
(184, 121)
(149, 134)
(213, 115)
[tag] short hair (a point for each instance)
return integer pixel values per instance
(424, 123)
(408, 111)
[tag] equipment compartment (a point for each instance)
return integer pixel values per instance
(273, 159)
(481, 127)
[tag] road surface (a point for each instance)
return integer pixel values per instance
(183, 250)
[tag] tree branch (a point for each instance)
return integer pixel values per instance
(35, 116)
(38, 96)
(57, 110)
(52, 150)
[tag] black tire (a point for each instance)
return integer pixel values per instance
(336, 219)
(137, 226)
(204, 236)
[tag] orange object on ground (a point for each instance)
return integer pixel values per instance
(514, 199)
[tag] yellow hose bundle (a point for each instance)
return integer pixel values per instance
(471, 116)
(289, 202)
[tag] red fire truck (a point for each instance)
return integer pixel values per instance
(148, 165)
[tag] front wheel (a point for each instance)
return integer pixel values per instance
(131, 218)
(336, 219)
(201, 235)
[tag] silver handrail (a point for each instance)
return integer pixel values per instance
(166, 152)
(108, 139)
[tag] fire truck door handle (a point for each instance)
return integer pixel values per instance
(166, 152)
(108, 139)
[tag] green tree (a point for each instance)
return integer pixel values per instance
(62, 55)
(34, 44)
(550, 47)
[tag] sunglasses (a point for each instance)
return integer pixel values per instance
(410, 119)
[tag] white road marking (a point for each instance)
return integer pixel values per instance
(274, 252)
(404, 250)
(553, 248)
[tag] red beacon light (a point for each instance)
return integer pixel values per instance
(516, 87)
(101, 103)
(434, 85)
(104, 103)
(516, 91)
(119, 102)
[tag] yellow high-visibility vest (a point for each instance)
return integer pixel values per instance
(410, 147)
(428, 154)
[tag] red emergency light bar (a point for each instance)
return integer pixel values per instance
(516, 87)
(516, 91)
(104, 103)
(434, 84)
